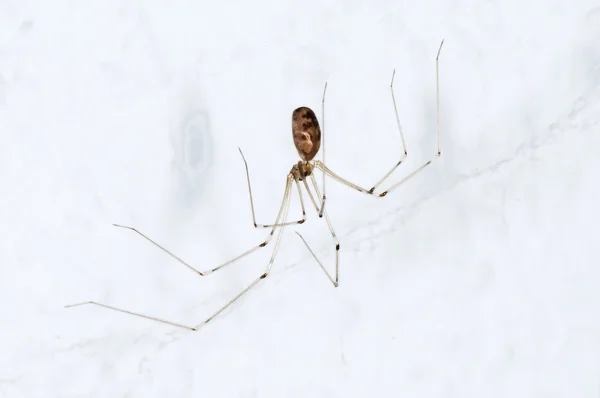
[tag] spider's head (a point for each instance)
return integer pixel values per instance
(306, 133)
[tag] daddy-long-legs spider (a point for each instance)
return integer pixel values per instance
(306, 133)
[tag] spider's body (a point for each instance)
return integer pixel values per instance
(307, 136)
(306, 133)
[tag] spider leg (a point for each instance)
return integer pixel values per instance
(261, 277)
(301, 221)
(336, 177)
(404, 149)
(396, 185)
(328, 171)
(283, 211)
(334, 281)
(310, 195)
(133, 313)
(323, 138)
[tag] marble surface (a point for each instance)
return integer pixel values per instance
(479, 278)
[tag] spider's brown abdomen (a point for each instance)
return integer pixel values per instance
(306, 133)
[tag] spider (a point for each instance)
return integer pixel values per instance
(306, 133)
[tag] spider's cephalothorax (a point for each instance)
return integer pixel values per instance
(306, 133)
(302, 169)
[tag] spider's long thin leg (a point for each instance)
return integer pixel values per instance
(321, 166)
(437, 95)
(261, 277)
(152, 318)
(404, 149)
(328, 171)
(323, 139)
(301, 221)
(335, 280)
(336, 177)
(287, 192)
(438, 153)
(283, 210)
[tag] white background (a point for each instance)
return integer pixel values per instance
(479, 278)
